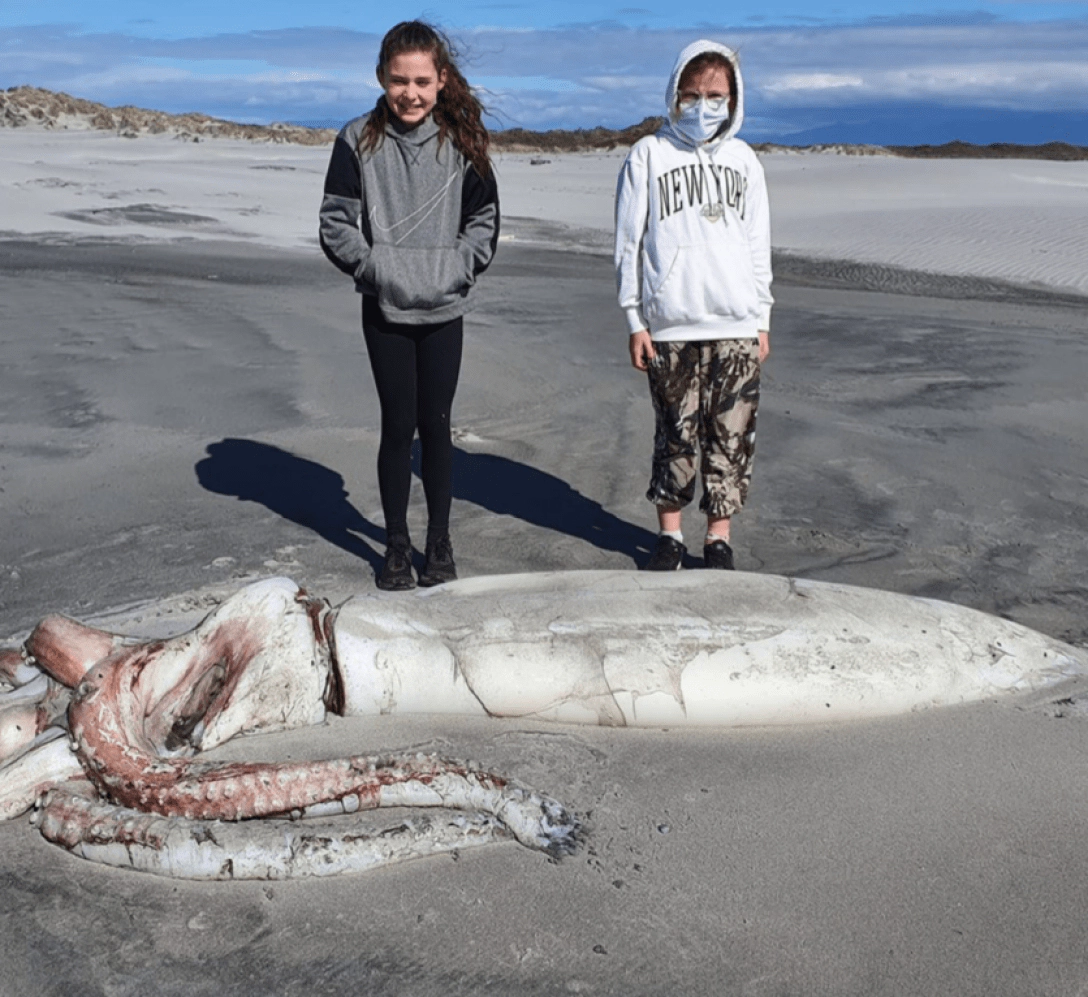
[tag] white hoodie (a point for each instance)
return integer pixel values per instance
(693, 233)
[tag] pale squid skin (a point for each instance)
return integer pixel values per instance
(680, 649)
(607, 647)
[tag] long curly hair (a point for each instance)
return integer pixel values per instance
(458, 112)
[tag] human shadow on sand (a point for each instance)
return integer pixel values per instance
(295, 488)
(509, 488)
(314, 496)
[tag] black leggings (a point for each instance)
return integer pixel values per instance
(415, 370)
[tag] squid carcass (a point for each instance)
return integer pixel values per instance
(126, 785)
(129, 791)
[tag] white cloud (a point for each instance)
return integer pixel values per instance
(810, 82)
(569, 78)
(624, 83)
(995, 83)
(500, 84)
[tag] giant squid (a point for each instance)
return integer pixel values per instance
(102, 734)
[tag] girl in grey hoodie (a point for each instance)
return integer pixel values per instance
(411, 212)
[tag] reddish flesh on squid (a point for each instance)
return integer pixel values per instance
(261, 661)
(65, 649)
(110, 726)
(11, 661)
(28, 710)
(202, 690)
(19, 725)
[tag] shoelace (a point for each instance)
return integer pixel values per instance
(441, 551)
(397, 558)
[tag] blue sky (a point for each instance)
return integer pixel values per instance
(904, 71)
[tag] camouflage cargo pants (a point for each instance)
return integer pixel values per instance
(705, 394)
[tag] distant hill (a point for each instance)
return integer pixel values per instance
(1062, 151)
(576, 140)
(590, 139)
(32, 107)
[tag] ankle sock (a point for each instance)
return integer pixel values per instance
(714, 538)
(676, 535)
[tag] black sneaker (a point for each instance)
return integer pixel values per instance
(396, 573)
(668, 555)
(439, 566)
(718, 555)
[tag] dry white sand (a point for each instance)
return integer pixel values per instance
(72, 184)
(185, 404)
(1016, 220)
(1024, 221)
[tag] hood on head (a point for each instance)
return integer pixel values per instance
(689, 53)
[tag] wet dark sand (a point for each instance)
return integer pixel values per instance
(181, 419)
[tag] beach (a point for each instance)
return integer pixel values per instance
(1001, 219)
(187, 406)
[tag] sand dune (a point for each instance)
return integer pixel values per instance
(39, 110)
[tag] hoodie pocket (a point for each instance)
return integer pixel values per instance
(704, 281)
(417, 279)
(655, 277)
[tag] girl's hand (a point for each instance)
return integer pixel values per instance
(642, 349)
(764, 345)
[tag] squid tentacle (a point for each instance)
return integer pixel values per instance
(122, 763)
(169, 845)
(66, 649)
(190, 849)
(131, 792)
(239, 791)
(46, 762)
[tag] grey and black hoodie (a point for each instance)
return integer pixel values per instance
(412, 221)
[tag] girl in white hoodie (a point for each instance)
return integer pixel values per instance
(693, 265)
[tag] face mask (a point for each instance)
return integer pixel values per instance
(701, 119)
